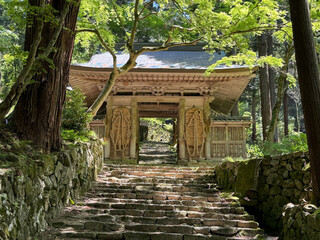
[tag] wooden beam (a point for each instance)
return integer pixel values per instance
(158, 108)
(158, 114)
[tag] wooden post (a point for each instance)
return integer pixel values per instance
(134, 126)
(227, 141)
(182, 146)
(207, 122)
(244, 148)
(108, 121)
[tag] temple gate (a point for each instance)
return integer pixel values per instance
(184, 93)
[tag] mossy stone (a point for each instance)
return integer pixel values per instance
(48, 164)
(247, 177)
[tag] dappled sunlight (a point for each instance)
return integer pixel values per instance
(131, 202)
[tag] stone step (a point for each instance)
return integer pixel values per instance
(211, 196)
(156, 203)
(245, 219)
(181, 205)
(170, 200)
(152, 186)
(134, 235)
(201, 169)
(140, 180)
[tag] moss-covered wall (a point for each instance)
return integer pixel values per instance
(267, 185)
(34, 191)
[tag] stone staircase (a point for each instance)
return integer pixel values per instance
(156, 153)
(154, 203)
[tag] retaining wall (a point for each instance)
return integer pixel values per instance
(34, 191)
(267, 185)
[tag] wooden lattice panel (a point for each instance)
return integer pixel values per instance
(121, 130)
(219, 134)
(235, 133)
(194, 132)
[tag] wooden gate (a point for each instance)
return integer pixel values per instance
(194, 132)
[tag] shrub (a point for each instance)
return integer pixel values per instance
(75, 119)
(293, 143)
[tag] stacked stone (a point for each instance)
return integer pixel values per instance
(268, 184)
(282, 180)
(155, 203)
(301, 222)
(35, 190)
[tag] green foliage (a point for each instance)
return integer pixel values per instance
(290, 144)
(159, 129)
(75, 119)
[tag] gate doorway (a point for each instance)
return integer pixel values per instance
(157, 141)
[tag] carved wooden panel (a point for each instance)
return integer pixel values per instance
(120, 130)
(194, 132)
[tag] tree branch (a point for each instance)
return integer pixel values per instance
(167, 46)
(172, 28)
(134, 27)
(103, 43)
(147, 15)
(145, 6)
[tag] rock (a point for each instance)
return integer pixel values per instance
(296, 175)
(307, 178)
(285, 174)
(274, 162)
(274, 179)
(289, 167)
(289, 183)
(310, 208)
(275, 190)
(298, 164)
(299, 185)
(48, 164)
(289, 206)
(288, 192)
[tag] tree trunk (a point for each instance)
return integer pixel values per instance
(37, 115)
(285, 114)
(272, 83)
(264, 87)
(253, 113)
(235, 110)
(281, 86)
(309, 81)
(297, 117)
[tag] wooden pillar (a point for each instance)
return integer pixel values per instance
(174, 137)
(182, 144)
(244, 146)
(108, 122)
(227, 141)
(207, 122)
(134, 128)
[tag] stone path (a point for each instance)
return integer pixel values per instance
(154, 203)
(157, 153)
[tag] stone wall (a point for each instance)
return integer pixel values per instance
(267, 185)
(301, 222)
(34, 191)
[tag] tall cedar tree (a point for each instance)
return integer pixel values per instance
(309, 80)
(37, 115)
(264, 86)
